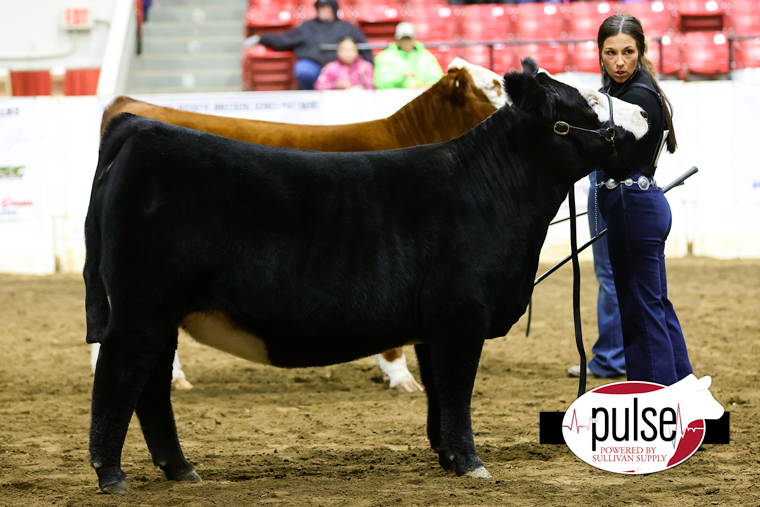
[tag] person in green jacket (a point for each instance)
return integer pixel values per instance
(406, 63)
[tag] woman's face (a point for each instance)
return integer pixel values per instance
(347, 52)
(620, 57)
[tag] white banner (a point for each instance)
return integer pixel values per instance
(19, 189)
(285, 107)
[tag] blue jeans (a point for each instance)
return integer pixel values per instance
(638, 223)
(306, 72)
(609, 356)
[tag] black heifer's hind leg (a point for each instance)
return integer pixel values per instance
(126, 362)
(449, 365)
(434, 409)
(154, 410)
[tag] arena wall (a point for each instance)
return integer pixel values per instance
(33, 36)
(49, 150)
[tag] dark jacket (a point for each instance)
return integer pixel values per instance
(305, 39)
(637, 156)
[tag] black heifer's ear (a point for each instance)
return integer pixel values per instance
(526, 92)
(530, 66)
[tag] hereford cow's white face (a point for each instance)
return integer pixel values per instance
(488, 81)
(627, 115)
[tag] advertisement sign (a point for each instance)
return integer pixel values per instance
(305, 108)
(640, 427)
(18, 185)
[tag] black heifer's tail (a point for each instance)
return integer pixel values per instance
(97, 306)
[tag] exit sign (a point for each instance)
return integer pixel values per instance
(77, 19)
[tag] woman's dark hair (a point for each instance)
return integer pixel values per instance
(629, 25)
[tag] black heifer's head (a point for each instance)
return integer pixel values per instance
(548, 101)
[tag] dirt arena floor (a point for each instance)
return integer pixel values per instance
(337, 436)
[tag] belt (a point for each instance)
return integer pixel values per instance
(643, 182)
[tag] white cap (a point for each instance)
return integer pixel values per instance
(405, 29)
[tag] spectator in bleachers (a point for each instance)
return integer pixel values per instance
(350, 70)
(406, 63)
(306, 39)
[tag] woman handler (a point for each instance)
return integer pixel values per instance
(636, 212)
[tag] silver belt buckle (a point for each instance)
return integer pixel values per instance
(643, 182)
(610, 184)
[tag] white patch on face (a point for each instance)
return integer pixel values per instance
(626, 115)
(216, 330)
(489, 82)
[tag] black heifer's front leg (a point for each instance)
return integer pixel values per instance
(154, 410)
(125, 364)
(454, 355)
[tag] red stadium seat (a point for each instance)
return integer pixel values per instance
(30, 82)
(701, 15)
(583, 57)
(504, 57)
(445, 54)
(540, 21)
(550, 57)
(265, 69)
(584, 18)
(706, 53)
(744, 17)
(746, 54)
(434, 22)
(377, 21)
(81, 81)
(657, 18)
(486, 22)
(672, 48)
(271, 4)
(268, 19)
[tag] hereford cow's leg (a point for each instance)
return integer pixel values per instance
(454, 354)
(393, 364)
(128, 355)
(154, 410)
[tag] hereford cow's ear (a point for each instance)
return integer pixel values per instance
(526, 92)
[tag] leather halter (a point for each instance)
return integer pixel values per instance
(607, 130)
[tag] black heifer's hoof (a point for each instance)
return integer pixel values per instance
(185, 474)
(191, 476)
(116, 488)
(478, 473)
(111, 480)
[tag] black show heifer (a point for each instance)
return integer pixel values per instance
(297, 258)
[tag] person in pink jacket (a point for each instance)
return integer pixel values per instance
(350, 70)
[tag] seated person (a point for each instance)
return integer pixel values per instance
(349, 71)
(306, 39)
(406, 63)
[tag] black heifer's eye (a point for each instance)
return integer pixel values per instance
(644, 115)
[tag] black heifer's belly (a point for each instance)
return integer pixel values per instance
(292, 349)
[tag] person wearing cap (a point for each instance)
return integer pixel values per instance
(305, 40)
(406, 63)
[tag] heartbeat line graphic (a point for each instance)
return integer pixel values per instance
(679, 423)
(574, 422)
